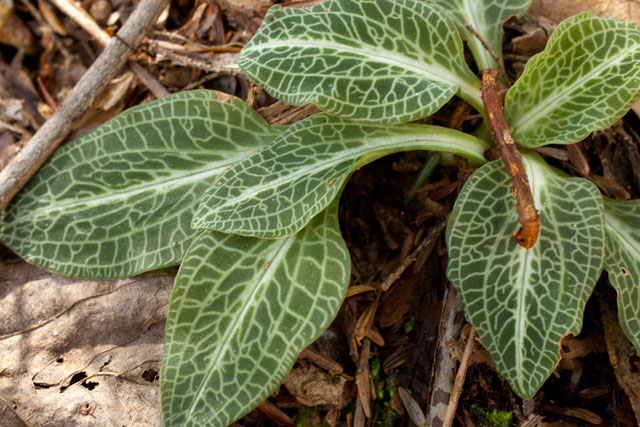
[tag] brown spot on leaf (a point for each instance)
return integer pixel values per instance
(624, 271)
(223, 98)
(331, 182)
(267, 265)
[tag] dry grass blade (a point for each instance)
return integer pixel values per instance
(460, 377)
(362, 379)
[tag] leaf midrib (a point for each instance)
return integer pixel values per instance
(276, 256)
(166, 184)
(550, 103)
(526, 257)
(436, 73)
(334, 160)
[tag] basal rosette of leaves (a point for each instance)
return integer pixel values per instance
(250, 210)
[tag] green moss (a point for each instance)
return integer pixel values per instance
(383, 414)
(409, 325)
(492, 418)
(303, 418)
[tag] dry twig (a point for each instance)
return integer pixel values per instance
(427, 244)
(442, 384)
(82, 18)
(488, 48)
(528, 216)
(460, 377)
(90, 86)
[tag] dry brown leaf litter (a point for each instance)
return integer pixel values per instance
(80, 352)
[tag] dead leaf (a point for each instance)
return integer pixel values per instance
(79, 352)
(11, 110)
(620, 352)
(245, 14)
(558, 10)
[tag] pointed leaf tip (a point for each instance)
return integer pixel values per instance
(524, 301)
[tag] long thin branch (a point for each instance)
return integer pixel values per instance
(528, 216)
(91, 85)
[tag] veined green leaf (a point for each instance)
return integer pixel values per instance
(524, 301)
(119, 200)
(382, 61)
(486, 17)
(622, 261)
(279, 189)
(587, 77)
(241, 310)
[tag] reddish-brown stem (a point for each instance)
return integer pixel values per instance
(528, 216)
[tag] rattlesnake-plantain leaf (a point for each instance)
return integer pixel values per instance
(241, 310)
(587, 77)
(119, 200)
(524, 301)
(279, 189)
(621, 220)
(382, 61)
(486, 17)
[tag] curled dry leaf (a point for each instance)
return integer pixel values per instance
(79, 352)
(312, 386)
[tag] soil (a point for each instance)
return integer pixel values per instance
(394, 236)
